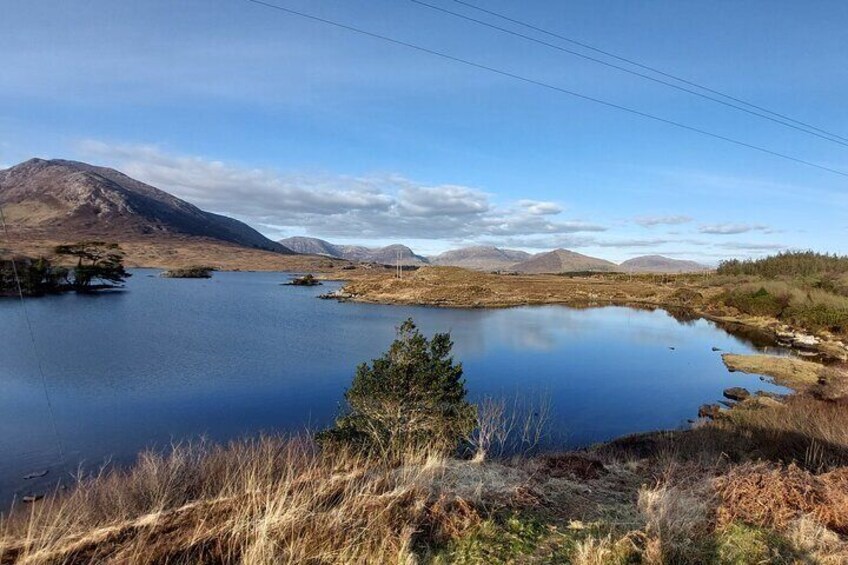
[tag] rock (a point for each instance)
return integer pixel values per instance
(339, 295)
(711, 411)
(36, 475)
(763, 402)
(797, 339)
(736, 393)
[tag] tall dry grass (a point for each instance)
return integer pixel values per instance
(269, 500)
(804, 430)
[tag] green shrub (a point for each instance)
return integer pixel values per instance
(413, 396)
(35, 276)
(819, 317)
(760, 302)
(495, 541)
(194, 272)
(788, 263)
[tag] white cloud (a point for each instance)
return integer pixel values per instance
(651, 221)
(367, 207)
(749, 246)
(733, 229)
(539, 208)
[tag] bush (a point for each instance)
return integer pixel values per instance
(194, 272)
(35, 276)
(413, 397)
(789, 263)
(305, 280)
(758, 303)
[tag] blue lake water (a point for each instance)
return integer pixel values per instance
(171, 359)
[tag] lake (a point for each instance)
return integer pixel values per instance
(173, 359)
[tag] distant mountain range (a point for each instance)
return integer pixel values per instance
(389, 255)
(488, 258)
(563, 261)
(57, 201)
(660, 264)
(69, 200)
(481, 258)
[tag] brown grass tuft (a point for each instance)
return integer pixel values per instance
(774, 496)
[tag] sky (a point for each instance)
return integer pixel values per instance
(301, 128)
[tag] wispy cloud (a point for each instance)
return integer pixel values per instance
(368, 207)
(752, 246)
(652, 221)
(733, 229)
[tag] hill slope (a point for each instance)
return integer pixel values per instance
(481, 257)
(660, 264)
(69, 200)
(563, 261)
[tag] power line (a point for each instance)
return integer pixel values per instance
(645, 67)
(547, 86)
(829, 137)
(35, 349)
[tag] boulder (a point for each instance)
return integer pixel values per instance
(737, 393)
(711, 411)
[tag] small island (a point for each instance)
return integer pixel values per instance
(84, 267)
(305, 280)
(194, 272)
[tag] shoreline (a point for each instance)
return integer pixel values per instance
(686, 300)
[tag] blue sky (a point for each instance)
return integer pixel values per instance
(299, 128)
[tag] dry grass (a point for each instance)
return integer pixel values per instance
(772, 496)
(270, 500)
(819, 544)
(787, 371)
(457, 287)
(804, 430)
(678, 526)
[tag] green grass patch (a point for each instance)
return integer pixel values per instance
(741, 544)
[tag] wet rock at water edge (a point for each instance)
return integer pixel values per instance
(711, 411)
(737, 393)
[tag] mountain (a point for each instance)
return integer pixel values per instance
(481, 258)
(311, 246)
(660, 264)
(563, 261)
(69, 200)
(384, 255)
(388, 255)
